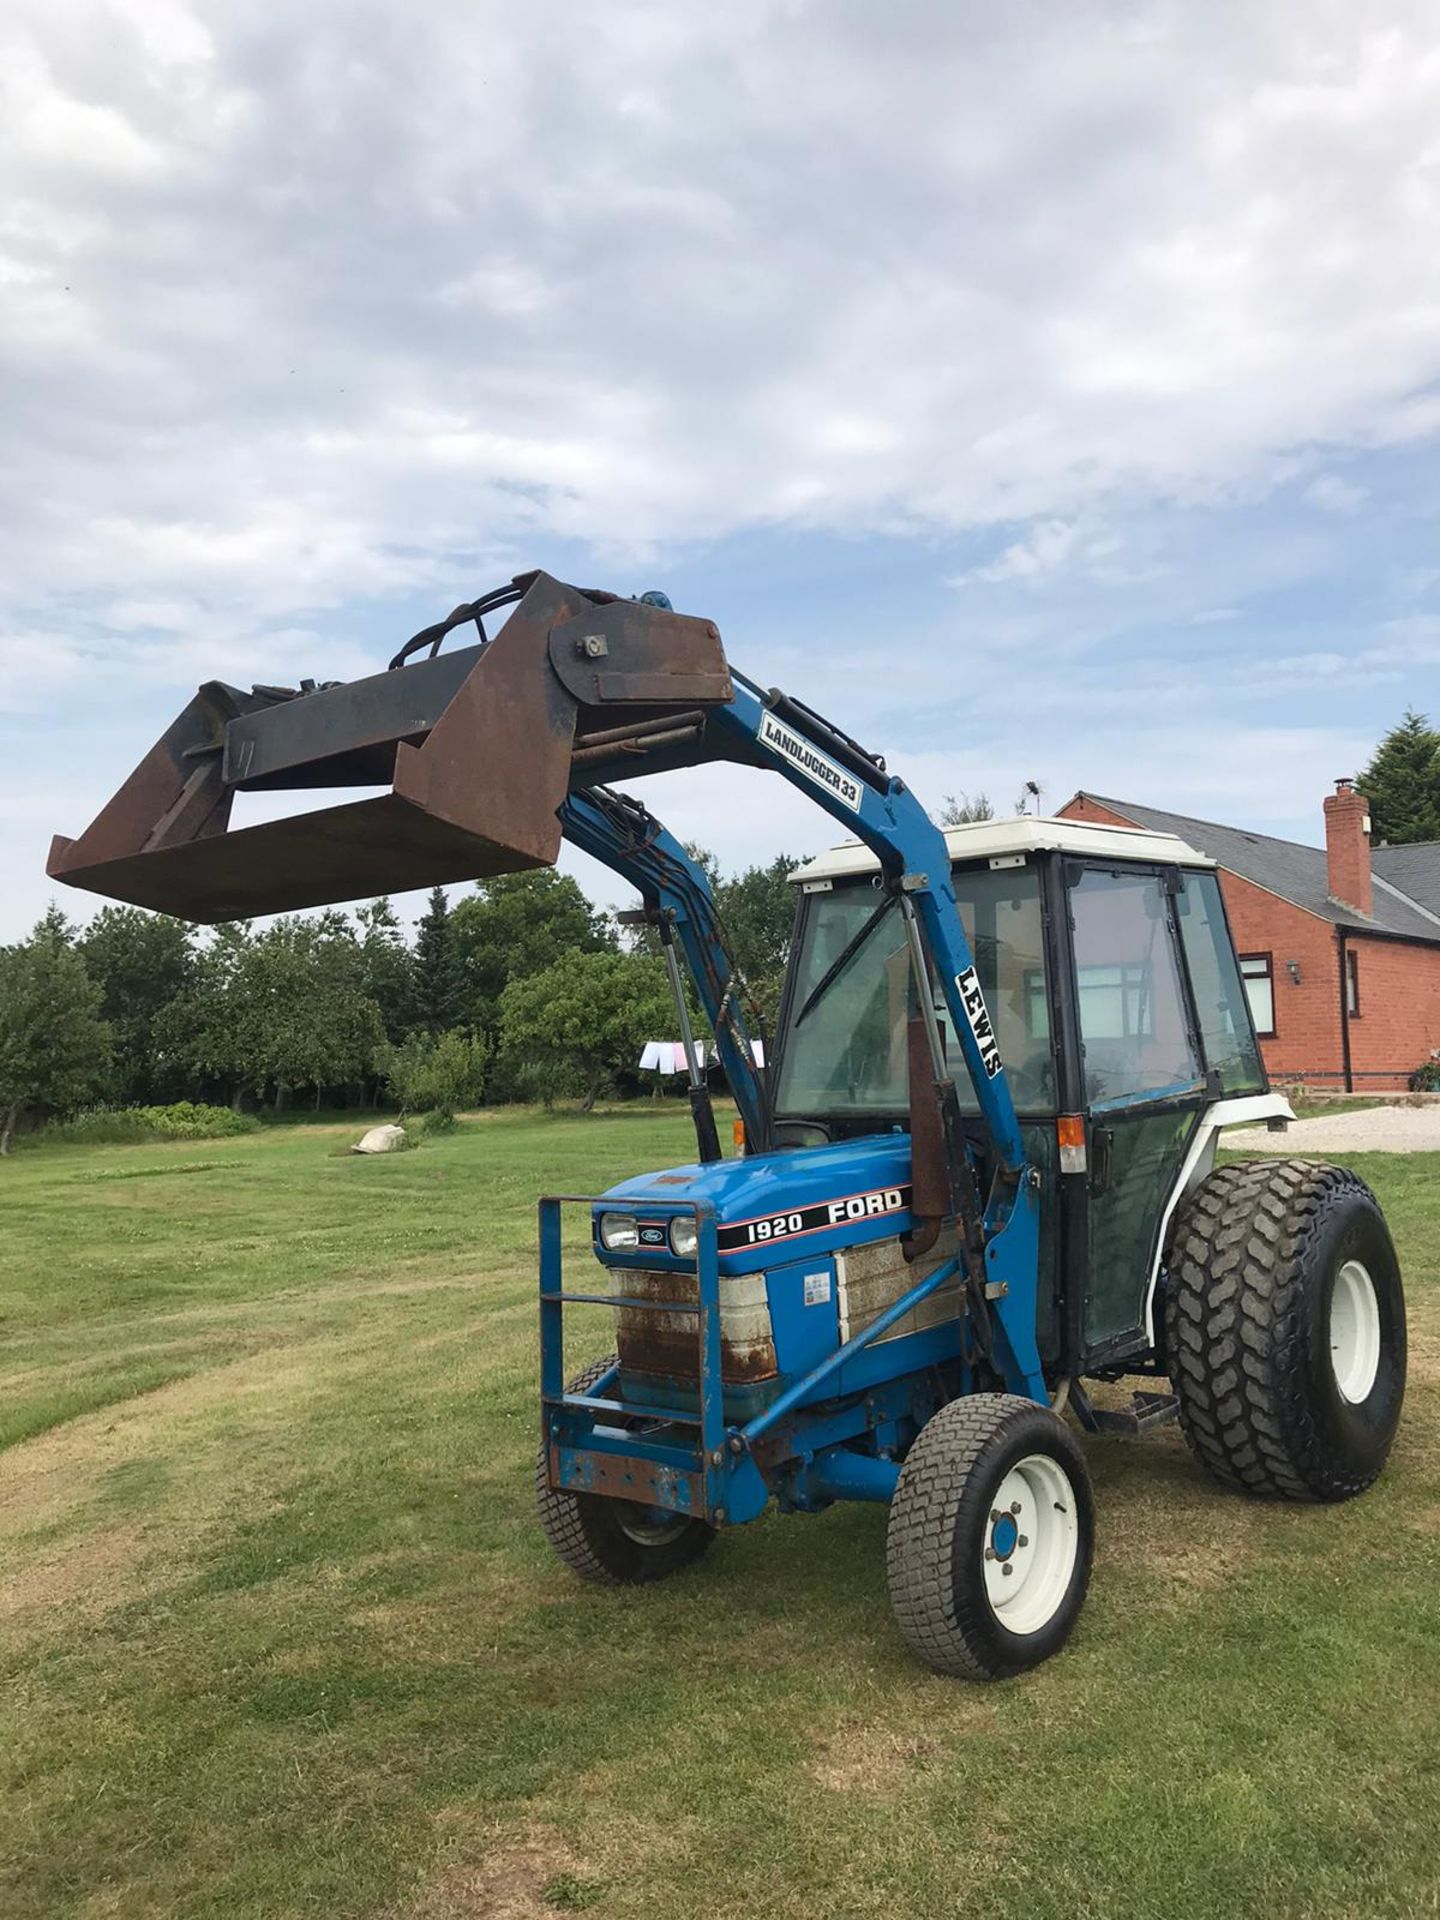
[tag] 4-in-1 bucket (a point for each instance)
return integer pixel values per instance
(477, 748)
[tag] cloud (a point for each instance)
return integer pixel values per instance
(308, 317)
(299, 310)
(1333, 495)
(1046, 548)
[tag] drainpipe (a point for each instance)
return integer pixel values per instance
(1345, 1016)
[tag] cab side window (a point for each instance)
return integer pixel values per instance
(1227, 1026)
(1131, 1002)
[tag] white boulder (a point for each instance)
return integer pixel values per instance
(382, 1140)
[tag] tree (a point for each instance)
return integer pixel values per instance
(1402, 783)
(757, 911)
(437, 982)
(54, 1046)
(197, 1034)
(757, 914)
(519, 924)
(436, 1075)
(140, 961)
(575, 1027)
(277, 1011)
(960, 809)
(386, 970)
(304, 1004)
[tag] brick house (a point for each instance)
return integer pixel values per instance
(1340, 945)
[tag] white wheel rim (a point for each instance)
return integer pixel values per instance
(1032, 1540)
(649, 1526)
(1354, 1332)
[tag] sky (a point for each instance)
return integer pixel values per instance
(1048, 391)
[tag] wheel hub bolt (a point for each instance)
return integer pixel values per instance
(1007, 1569)
(989, 1553)
(1014, 1506)
(994, 1513)
(1023, 1541)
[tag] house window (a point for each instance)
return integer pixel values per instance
(1352, 983)
(1257, 971)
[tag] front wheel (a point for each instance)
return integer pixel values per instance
(614, 1542)
(991, 1536)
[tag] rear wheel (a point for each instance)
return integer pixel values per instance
(614, 1542)
(991, 1537)
(1285, 1329)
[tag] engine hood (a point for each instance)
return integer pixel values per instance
(822, 1198)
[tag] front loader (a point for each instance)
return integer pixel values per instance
(978, 1171)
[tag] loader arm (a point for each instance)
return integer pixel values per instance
(491, 753)
(616, 830)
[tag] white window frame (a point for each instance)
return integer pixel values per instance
(1264, 1030)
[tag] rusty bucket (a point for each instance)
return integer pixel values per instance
(477, 748)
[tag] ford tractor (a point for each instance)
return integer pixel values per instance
(975, 1212)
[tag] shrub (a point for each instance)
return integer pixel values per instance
(193, 1120)
(122, 1126)
(435, 1076)
(1426, 1077)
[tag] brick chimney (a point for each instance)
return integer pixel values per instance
(1347, 847)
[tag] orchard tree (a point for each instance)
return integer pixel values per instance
(757, 914)
(519, 924)
(579, 1024)
(278, 1011)
(303, 1007)
(757, 910)
(199, 1033)
(54, 1046)
(436, 1075)
(1402, 783)
(437, 982)
(387, 972)
(140, 961)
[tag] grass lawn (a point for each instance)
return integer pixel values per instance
(280, 1635)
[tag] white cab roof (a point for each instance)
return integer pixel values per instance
(997, 839)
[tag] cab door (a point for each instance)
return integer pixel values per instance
(1143, 1084)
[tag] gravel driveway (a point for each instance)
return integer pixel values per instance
(1375, 1130)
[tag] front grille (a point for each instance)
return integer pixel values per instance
(669, 1343)
(873, 1277)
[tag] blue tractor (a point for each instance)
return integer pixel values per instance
(977, 1169)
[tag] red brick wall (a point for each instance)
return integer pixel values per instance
(1399, 1019)
(1307, 1043)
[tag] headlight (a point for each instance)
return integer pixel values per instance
(619, 1233)
(684, 1235)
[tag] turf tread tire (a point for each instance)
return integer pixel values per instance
(1245, 1291)
(581, 1527)
(934, 1575)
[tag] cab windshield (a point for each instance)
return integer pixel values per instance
(843, 1044)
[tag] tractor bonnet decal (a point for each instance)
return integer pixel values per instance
(817, 1218)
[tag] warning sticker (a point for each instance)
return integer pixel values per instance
(817, 1289)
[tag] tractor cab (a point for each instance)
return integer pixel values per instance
(1117, 1008)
